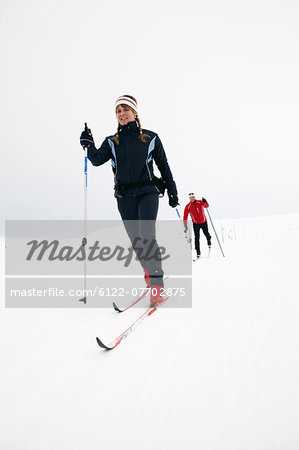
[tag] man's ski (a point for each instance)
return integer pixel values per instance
(199, 257)
(149, 311)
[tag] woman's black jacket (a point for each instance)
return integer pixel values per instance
(132, 160)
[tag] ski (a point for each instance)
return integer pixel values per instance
(149, 311)
(208, 255)
(120, 310)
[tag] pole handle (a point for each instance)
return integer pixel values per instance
(86, 128)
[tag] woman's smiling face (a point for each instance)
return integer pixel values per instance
(124, 114)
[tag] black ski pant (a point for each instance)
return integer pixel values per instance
(197, 227)
(139, 217)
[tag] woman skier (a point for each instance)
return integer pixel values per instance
(132, 151)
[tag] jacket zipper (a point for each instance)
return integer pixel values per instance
(131, 158)
(197, 213)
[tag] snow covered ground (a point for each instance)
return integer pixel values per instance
(222, 375)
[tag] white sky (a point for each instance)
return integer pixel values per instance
(218, 81)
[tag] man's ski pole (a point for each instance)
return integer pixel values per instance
(187, 237)
(84, 240)
(207, 209)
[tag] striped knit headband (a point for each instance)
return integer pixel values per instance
(124, 100)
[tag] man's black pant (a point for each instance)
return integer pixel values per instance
(139, 217)
(196, 228)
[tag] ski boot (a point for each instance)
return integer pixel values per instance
(156, 296)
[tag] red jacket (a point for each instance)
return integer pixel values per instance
(196, 211)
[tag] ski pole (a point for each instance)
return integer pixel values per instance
(215, 232)
(188, 238)
(84, 240)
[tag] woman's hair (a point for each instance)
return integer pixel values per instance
(142, 136)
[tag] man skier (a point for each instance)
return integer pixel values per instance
(196, 210)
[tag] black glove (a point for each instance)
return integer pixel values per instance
(173, 200)
(86, 139)
(204, 200)
(185, 229)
